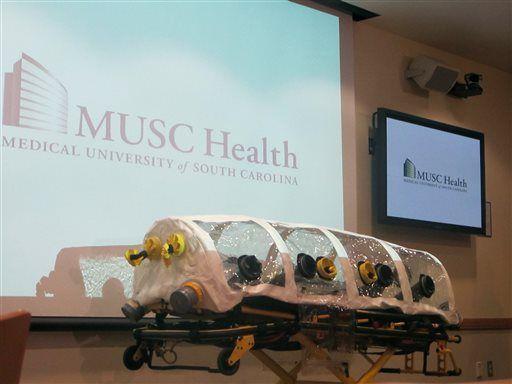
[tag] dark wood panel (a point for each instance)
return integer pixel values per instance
(484, 324)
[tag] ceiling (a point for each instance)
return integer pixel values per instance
(480, 30)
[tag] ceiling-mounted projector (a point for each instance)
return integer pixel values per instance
(431, 74)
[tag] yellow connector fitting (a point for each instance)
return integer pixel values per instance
(174, 246)
(153, 247)
(133, 261)
(177, 241)
(367, 272)
(326, 268)
(166, 255)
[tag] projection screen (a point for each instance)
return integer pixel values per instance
(117, 114)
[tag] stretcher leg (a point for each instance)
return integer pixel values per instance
(274, 367)
(321, 354)
(376, 367)
(242, 346)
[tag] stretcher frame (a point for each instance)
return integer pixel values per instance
(389, 334)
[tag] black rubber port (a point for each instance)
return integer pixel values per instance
(183, 300)
(306, 265)
(425, 287)
(428, 287)
(249, 267)
(384, 274)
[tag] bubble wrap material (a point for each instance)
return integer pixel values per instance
(97, 272)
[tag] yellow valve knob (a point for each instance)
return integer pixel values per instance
(153, 247)
(133, 257)
(166, 251)
(326, 268)
(175, 244)
(367, 272)
(166, 254)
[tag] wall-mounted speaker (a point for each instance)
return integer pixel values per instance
(431, 74)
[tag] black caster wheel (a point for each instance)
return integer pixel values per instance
(455, 372)
(129, 358)
(222, 363)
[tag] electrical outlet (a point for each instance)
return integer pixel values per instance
(490, 368)
(478, 371)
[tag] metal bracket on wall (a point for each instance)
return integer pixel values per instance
(488, 219)
(371, 142)
(371, 134)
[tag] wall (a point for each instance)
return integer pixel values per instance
(479, 267)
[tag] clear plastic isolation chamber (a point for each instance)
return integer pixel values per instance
(212, 263)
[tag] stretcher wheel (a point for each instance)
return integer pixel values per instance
(455, 372)
(129, 358)
(223, 365)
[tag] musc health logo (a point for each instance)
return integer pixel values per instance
(432, 178)
(34, 98)
(409, 169)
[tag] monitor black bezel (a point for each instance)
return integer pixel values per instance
(380, 179)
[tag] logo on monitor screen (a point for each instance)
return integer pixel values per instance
(409, 169)
(429, 178)
(34, 98)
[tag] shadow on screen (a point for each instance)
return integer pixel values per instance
(85, 281)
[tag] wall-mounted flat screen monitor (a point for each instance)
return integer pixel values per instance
(428, 173)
